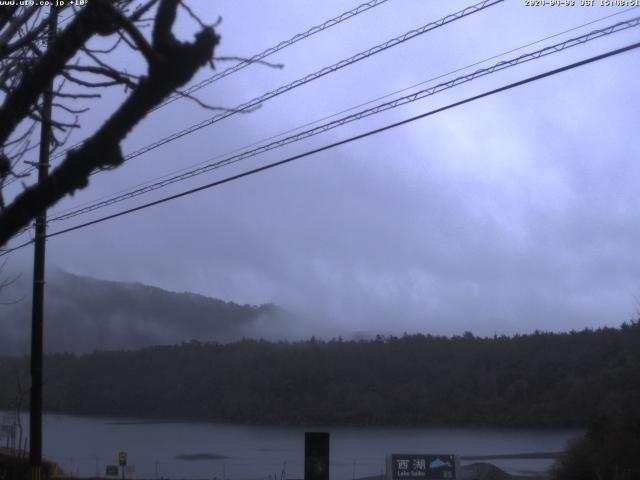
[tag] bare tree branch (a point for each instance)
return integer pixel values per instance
(248, 60)
(137, 37)
(172, 64)
(88, 84)
(70, 110)
(137, 14)
(14, 26)
(76, 95)
(215, 108)
(90, 20)
(31, 36)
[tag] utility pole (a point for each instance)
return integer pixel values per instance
(37, 307)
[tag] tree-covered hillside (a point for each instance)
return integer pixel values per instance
(84, 314)
(539, 379)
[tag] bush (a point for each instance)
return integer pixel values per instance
(609, 450)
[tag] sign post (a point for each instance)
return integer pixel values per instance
(131, 471)
(122, 460)
(422, 467)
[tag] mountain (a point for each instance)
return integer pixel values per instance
(84, 314)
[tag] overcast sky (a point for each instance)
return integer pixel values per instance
(513, 213)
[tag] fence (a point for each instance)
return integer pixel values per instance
(215, 469)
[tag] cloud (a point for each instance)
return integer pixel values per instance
(514, 213)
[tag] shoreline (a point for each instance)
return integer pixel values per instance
(127, 419)
(515, 456)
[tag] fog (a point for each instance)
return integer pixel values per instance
(509, 214)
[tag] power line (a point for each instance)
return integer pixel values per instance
(364, 7)
(255, 102)
(272, 137)
(376, 131)
(620, 26)
(247, 106)
(271, 50)
(7, 251)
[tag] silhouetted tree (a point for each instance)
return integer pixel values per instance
(608, 450)
(28, 64)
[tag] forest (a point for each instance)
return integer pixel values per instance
(539, 379)
(110, 315)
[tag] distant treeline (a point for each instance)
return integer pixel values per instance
(541, 379)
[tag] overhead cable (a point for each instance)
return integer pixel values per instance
(364, 7)
(358, 116)
(333, 115)
(376, 131)
(255, 102)
(271, 50)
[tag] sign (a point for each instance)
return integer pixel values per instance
(421, 467)
(112, 471)
(122, 458)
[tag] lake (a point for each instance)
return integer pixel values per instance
(86, 445)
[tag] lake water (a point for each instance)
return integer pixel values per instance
(86, 445)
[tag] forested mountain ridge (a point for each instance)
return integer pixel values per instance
(542, 379)
(84, 314)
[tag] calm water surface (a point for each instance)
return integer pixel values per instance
(85, 445)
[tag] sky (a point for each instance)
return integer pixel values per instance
(513, 213)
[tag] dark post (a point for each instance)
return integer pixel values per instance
(316, 456)
(122, 460)
(35, 407)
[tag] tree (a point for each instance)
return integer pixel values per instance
(608, 449)
(16, 413)
(28, 65)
